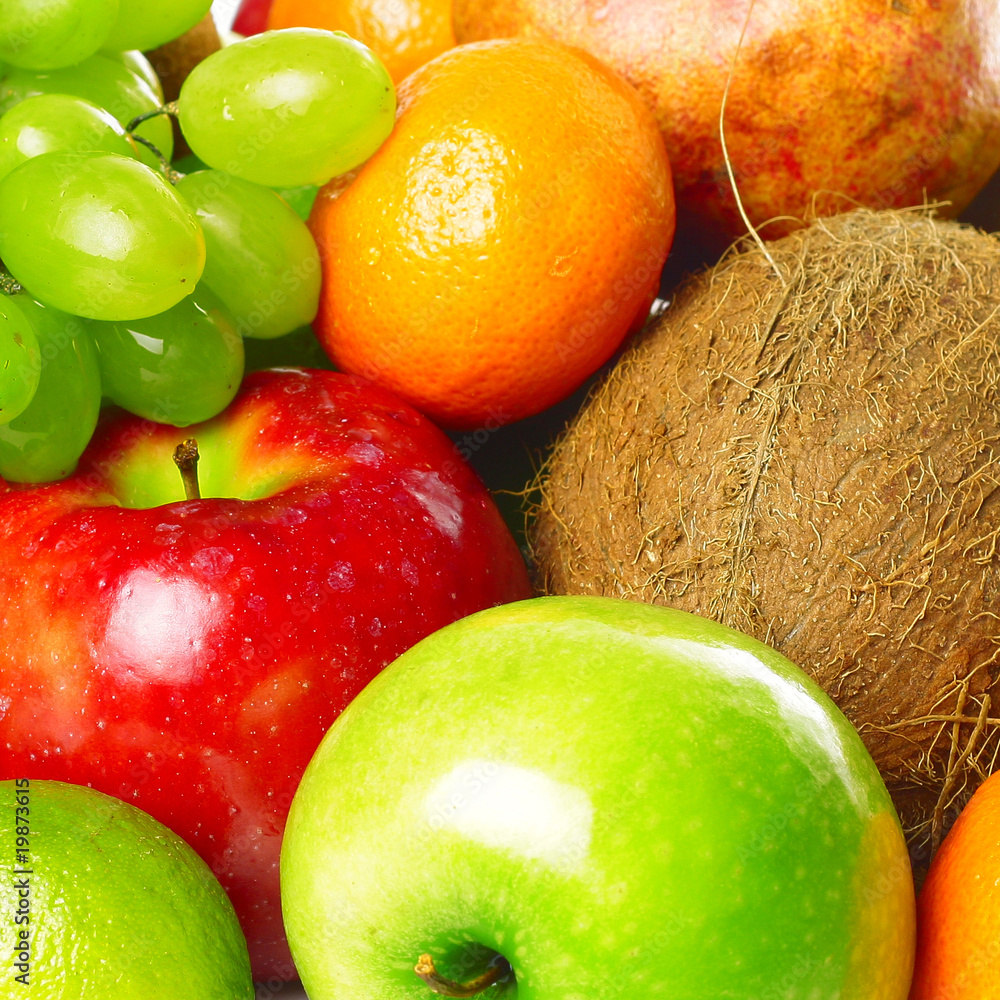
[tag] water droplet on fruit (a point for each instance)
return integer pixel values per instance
(168, 534)
(408, 418)
(561, 266)
(212, 562)
(340, 577)
(409, 572)
(293, 515)
(366, 454)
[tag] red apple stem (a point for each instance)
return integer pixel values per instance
(449, 988)
(186, 459)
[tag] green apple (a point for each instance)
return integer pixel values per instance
(586, 799)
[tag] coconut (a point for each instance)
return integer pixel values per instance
(806, 447)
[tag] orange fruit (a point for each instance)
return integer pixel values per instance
(505, 238)
(404, 34)
(958, 910)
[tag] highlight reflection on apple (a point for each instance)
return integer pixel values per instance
(515, 809)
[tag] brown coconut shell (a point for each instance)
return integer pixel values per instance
(807, 449)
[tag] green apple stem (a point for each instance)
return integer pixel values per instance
(449, 988)
(186, 459)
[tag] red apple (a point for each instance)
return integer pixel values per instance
(188, 655)
(251, 17)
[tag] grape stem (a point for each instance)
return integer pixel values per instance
(426, 970)
(171, 109)
(186, 459)
(9, 285)
(173, 176)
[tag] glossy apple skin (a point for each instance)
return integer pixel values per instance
(189, 656)
(623, 800)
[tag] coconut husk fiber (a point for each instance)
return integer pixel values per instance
(807, 449)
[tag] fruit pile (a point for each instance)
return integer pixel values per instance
(129, 281)
(701, 734)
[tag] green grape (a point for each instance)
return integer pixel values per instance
(47, 439)
(299, 349)
(49, 34)
(146, 24)
(107, 83)
(300, 199)
(107, 237)
(50, 123)
(19, 360)
(287, 108)
(138, 65)
(260, 258)
(179, 367)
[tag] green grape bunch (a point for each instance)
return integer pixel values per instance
(130, 280)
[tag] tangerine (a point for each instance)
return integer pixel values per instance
(505, 238)
(958, 910)
(404, 34)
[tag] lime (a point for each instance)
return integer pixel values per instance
(99, 900)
